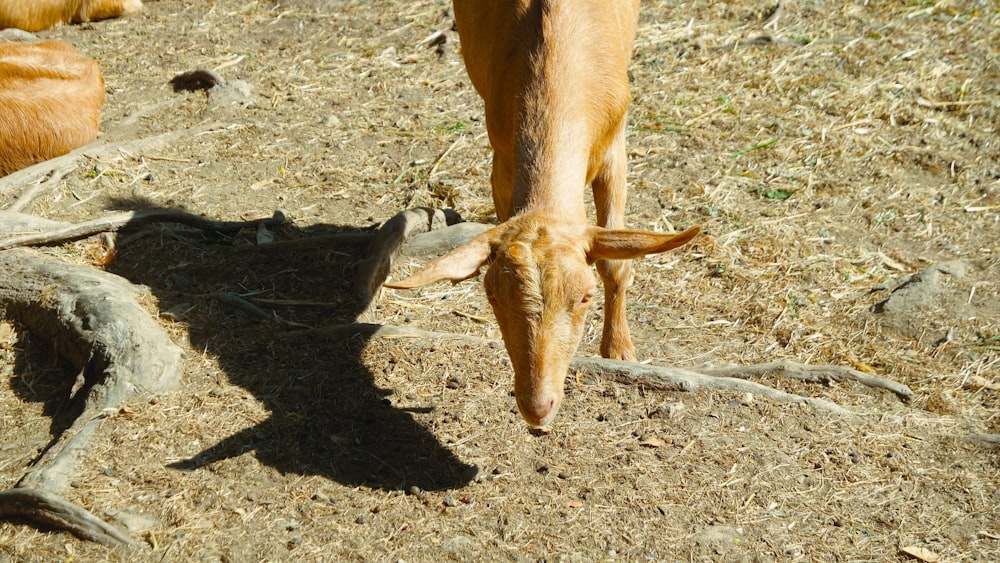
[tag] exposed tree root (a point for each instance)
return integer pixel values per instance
(373, 271)
(373, 330)
(667, 378)
(46, 175)
(987, 440)
(810, 373)
(51, 510)
(13, 223)
(50, 232)
(422, 244)
(442, 240)
(680, 379)
(350, 239)
(93, 321)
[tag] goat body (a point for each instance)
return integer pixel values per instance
(50, 102)
(36, 15)
(553, 77)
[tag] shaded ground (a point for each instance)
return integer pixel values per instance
(830, 166)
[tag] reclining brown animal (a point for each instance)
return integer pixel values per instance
(553, 76)
(50, 102)
(36, 15)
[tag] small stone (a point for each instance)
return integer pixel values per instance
(651, 442)
(135, 523)
(668, 410)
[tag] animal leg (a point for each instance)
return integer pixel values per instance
(502, 182)
(609, 196)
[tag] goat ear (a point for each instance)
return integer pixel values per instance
(606, 244)
(456, 266)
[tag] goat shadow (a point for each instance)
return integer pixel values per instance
(328, 417)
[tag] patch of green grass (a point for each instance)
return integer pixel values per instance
(755, 146)
(727, 104)
(651, 122)
(450, 128)
(777, 193)
(794, 303)
(991, 343)
(887, 217)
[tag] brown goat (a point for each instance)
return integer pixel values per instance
(50, 102)
(553, 76)
(36, 15)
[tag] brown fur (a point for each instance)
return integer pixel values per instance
(50, 102)
(36, 15)
(553, 76)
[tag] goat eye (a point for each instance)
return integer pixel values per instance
(586, 298)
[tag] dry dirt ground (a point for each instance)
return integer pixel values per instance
(842, 157)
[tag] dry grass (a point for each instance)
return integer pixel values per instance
(856, 147)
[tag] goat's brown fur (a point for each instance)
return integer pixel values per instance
(50, 102)
(36, 15)
(553, 76)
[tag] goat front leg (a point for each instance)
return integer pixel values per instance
(609, 198)
(502, 183)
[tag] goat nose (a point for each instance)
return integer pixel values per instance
(539, 412)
